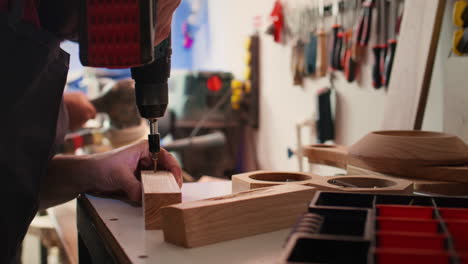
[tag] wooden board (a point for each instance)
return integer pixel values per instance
(413, 64)
(421, 185)
(159, 189)
(260, 179)
(235, 216)
(126, 235)
(408, 154)
(350, 183)
(331, 155)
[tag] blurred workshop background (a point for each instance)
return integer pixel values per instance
(249, 87)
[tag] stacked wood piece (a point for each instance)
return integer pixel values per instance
(209, 221)
(159, 189)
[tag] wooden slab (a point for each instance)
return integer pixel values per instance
(406, 153)
(350, 183)
(331, 155)
(435, 187)
(260, 179)
(234, 216)
(413, 64)
(128, 238)
(159, 189)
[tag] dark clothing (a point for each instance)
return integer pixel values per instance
(33, 72)
(30, 14)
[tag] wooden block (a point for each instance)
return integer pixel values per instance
(159, 189)
(209, 221)
(331, 155)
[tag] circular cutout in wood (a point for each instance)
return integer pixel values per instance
(259, 179)
(361, 182)
(323, 146)
(411, 133)
(280, 177)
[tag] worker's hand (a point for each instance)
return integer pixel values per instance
(79, 109)
(164, 19)
(107, 173)
(118, 170)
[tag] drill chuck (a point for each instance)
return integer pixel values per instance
(154, 138)
(151, 87)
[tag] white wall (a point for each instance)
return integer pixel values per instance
(360, 107)
(455, 83)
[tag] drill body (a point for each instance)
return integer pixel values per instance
(119, 34)
(151, 91)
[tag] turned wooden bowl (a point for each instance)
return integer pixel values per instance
(414, 154)
(417, 148)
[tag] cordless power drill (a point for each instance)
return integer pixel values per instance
(119, 34)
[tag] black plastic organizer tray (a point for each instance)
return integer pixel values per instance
(383, 229)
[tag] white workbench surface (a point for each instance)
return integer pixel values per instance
(142, 246)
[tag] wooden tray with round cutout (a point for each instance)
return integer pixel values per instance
(354, 183)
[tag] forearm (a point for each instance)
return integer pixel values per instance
(67, 176)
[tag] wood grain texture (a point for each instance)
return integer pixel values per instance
(331, 155)
(260, 179)
(437, 187)
(408, 153)
(128, 238)
(351, 183)
(159, 189)
(413, 64)
(234, 216)
(413, 148)
(415, 154)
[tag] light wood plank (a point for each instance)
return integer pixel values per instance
(128, 237)
(234, 216)
(413, 64)
(159, 189)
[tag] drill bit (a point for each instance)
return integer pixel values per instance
(153, 141)
(155, 163)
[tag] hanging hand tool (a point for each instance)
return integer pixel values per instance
(298, 63)
(351, 64)
(379, 47)
(322, 60)
(322, 53)
(277, 27)
(364, 26)
(392, 42)
(311, 55)
(335, 58)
